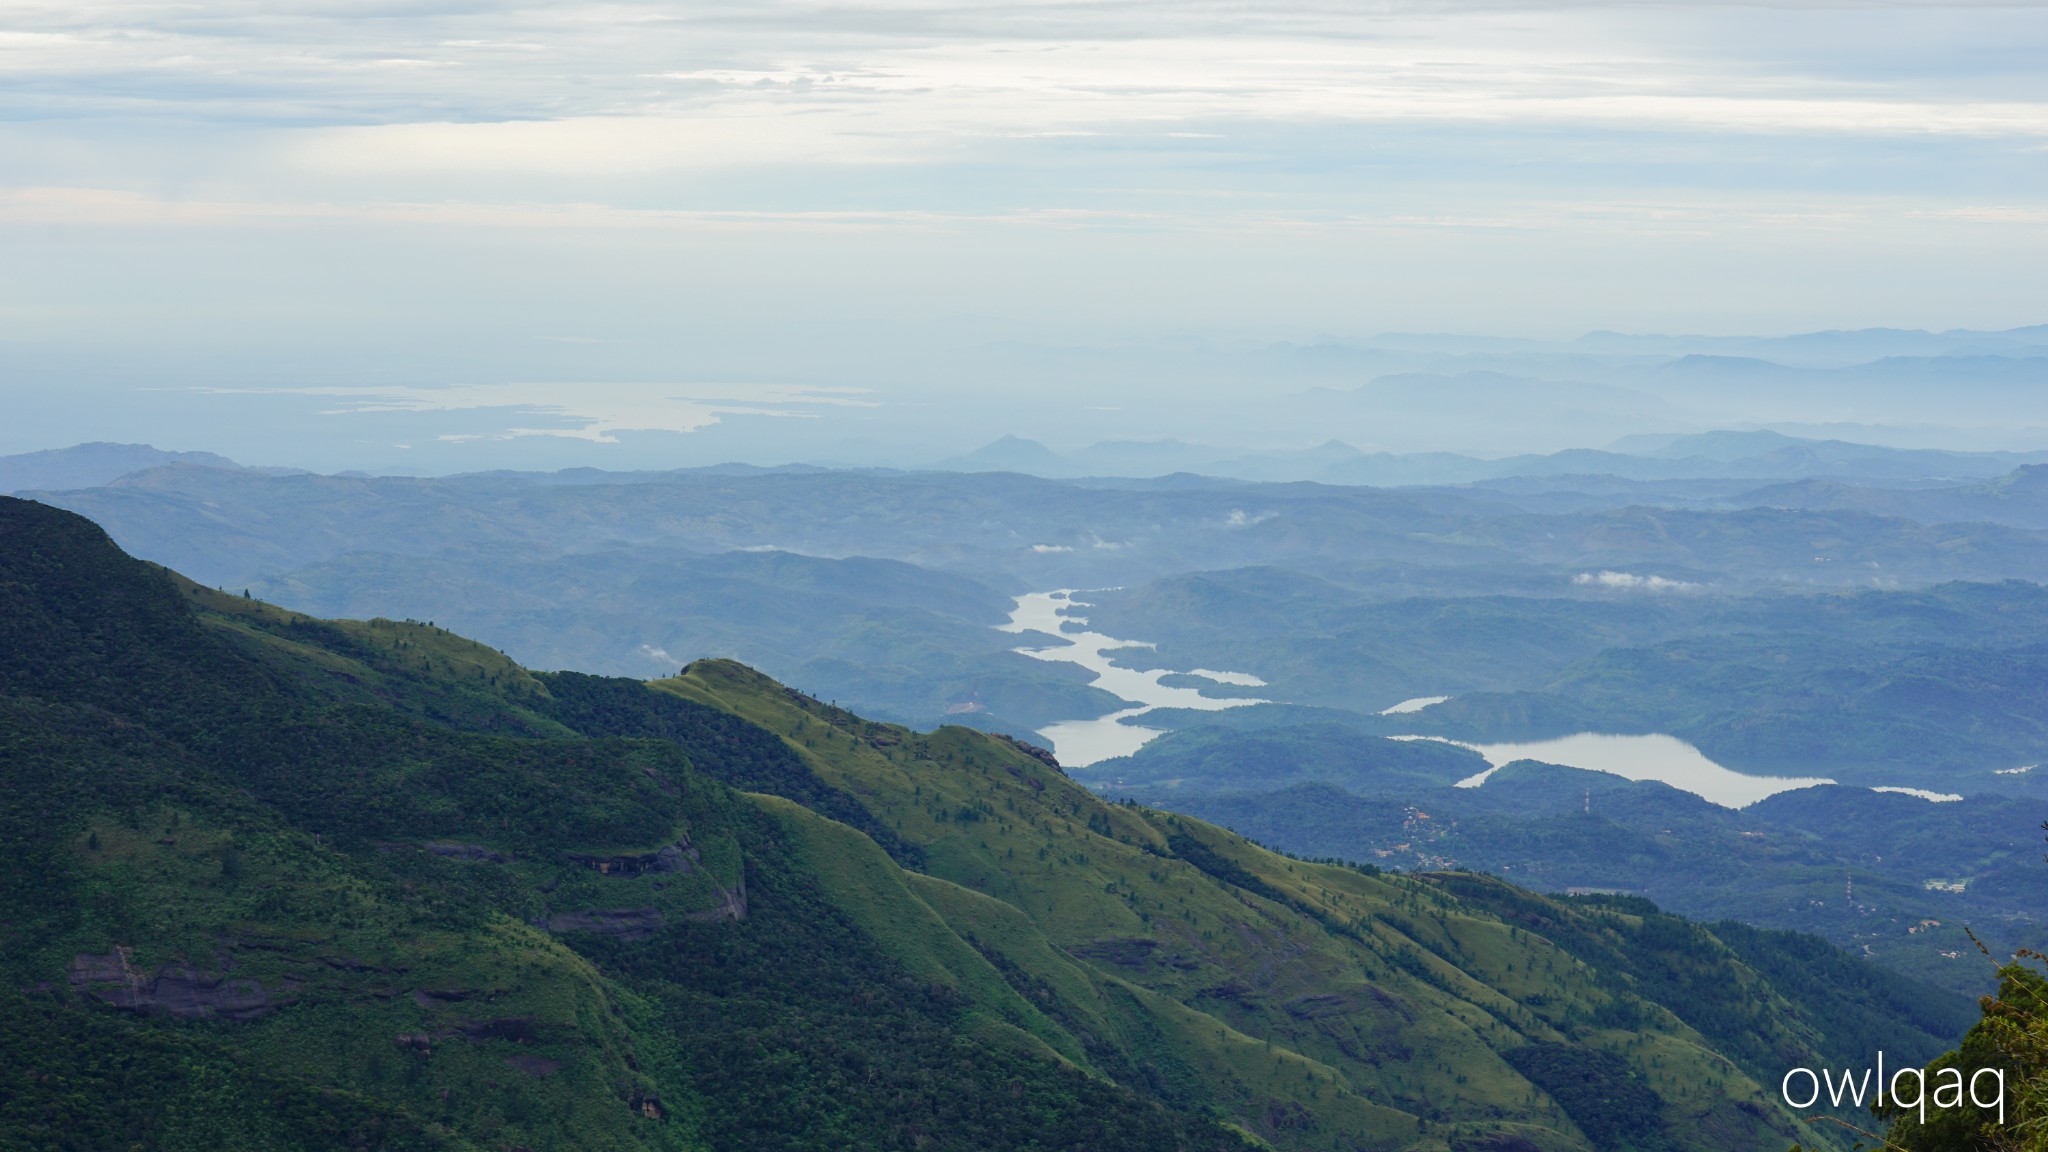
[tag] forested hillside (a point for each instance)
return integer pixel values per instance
(279, 882)
(1895, 878)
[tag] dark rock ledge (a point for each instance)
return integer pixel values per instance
(179, 990)
(680, 857)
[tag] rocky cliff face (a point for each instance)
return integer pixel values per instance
(680, 857)
(179, 990)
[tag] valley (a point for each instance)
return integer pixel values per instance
(1291, 631)
(449, 902)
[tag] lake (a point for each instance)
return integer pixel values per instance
(1079, 743)
(1655, 757)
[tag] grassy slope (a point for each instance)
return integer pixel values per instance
(212, 782)
(1781, 863)
(362, 824)
(1304, 1000)
(363, 952)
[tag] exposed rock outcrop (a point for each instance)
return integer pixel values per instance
(680, 857)
(517, 1029)
(538, 1067)
(476, 852)
(1123, 951)
(1042, 755)
(625, 923)
(351, 964)
(453, 849)
(177, 989)
(1234, 990)
(1317, 1007)
(732, 905)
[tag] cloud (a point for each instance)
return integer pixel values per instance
(1138, 113)
(611, 88)
(1629, 580)
(1391, 164)
(587, 146)
(1922, 793)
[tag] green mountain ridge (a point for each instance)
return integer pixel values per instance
(1895, 878)
(1936, 687)
(279, 882)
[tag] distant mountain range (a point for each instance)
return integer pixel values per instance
(1836, 348)
(1248, 407)
(1721, 455)
(882, 588)
(1755, 455)
(91, 465)
(2019, 498)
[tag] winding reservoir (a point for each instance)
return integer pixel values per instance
(1078, 743)
(1666, 759)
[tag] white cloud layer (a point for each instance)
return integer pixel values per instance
(1633, 582)
(724, 176)
(604, 89)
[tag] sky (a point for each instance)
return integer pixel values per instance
(332, 229)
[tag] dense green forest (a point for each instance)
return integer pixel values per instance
(1890, 876)
(1935, 687)
(279, 882)
(878, 589)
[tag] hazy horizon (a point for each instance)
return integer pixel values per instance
(422, 236)
(1488, 398)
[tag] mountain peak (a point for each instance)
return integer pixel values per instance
(92, 465)
(1009, 453)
